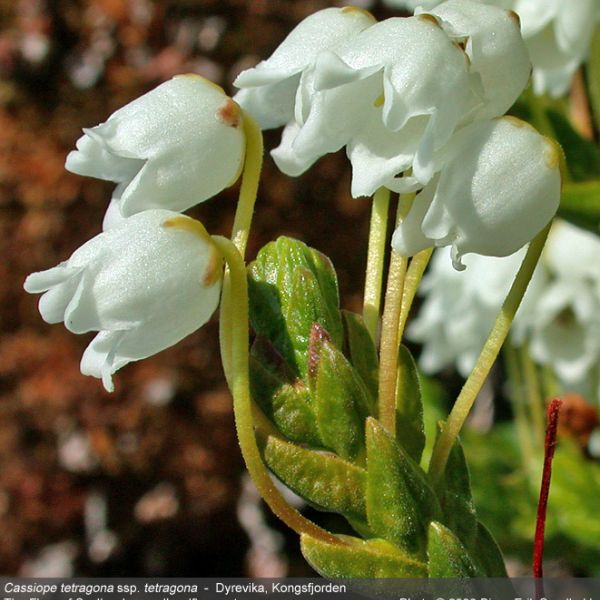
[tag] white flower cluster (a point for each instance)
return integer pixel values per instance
(417, 103)
(559, 317)
(153, 276)
(557, 33)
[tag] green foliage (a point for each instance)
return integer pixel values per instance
(360, 558)
(400, 501)
(321, 478)
(447, 556)
(340, 398)
(580, 204)
(292, 286)
(361, 351)
(506, 496)
(314, 374)
(410, 429)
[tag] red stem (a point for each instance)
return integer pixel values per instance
(540, 526)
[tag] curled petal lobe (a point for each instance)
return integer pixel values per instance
(267, 91)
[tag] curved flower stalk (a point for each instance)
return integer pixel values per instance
(557, 34)
(558, 318)
(172, 148)
(499, 184)
(268, 90)
(460, 307)
(144, 285)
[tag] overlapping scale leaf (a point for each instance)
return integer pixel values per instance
(400, 501)
(341, 401)
(291, 286)
(410, 429)
(358, 558)
(321, 478)
(456, 499)
(447, 556)
(361, 350)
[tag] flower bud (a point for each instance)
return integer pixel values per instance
(143, 285)
(268, 90)
(499, 185)
(173, 147)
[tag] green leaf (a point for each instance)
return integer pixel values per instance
(287, 405)
(400, 501)
(361, 350)
(341, 401)
(321, 478)
(455, 496)
(306, 306)
(410, 430)
(580, 204)
(582, 155)
(488, 553)
(290, 287)
(370, 559)
(447, 556)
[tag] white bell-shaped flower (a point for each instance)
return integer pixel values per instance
(565, 331)
(559, 317)
(495, 47)
(269, 89)
(392, 94)
(143, 285)
(174, 147)
(460, 307)
(498, 186)
(558, 35)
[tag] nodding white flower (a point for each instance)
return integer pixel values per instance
(498, 186)
(565, 330)
(495, 47)
(268, 90)
(557, 34)
(559, 317)
(460, 308)
(173, 147)
(143, 285)
(392, 94)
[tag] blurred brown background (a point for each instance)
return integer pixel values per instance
(148, 480)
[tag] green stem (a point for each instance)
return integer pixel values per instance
(550, 382)
(241, 226)
(534, 396)
(249, 186)
(242, 402)
(486, 359)
(388, 348)
(375, 260)
(511, 359)
(414, 274)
